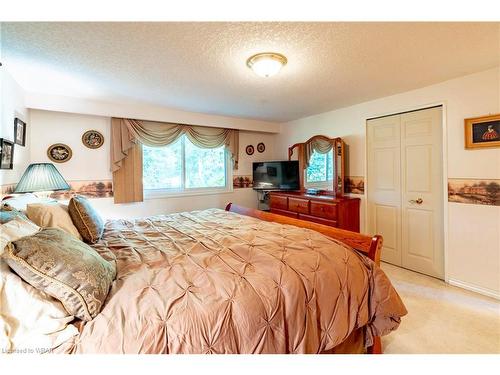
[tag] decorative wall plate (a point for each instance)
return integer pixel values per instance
(59, 153)
(92, 139)
(249, 150)
(261, 147)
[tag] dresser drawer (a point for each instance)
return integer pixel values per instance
(298, 205)
(284, 213)
(324, 210)
(315, 219)
(278, 202)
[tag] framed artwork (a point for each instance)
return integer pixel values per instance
(59, 153)
(6, 154)
(249, 150)
(261, 147)
(92, 139)
(19, 132)
(482, 132)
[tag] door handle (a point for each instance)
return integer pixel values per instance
(418, 201)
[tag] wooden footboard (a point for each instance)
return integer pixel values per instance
(366, 245)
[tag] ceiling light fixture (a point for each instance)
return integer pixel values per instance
(266, 64)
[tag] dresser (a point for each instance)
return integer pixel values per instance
(339, 212)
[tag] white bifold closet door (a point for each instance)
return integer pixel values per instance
(405, 189)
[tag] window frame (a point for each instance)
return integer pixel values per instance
(183, 191)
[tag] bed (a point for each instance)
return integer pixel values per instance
(239, 281)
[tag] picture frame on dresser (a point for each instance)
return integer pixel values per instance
(6, 154)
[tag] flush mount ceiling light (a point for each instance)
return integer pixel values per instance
(266, 64)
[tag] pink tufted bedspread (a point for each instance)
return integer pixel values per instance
(217, 282)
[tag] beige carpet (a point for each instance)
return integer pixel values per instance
(441, 318)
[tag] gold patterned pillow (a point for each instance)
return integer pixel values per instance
(86, 219)
(60, 265)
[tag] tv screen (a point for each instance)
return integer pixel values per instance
(276, 175)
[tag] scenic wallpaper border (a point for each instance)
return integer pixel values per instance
(474, 191)
(460, 190)
(89, 189)
(354, 185)
(244, 181)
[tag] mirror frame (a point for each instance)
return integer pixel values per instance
(339, 158)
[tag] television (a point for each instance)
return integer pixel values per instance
(276, 175)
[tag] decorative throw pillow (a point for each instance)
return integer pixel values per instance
(65, 268)
(52, 215)
(16, 229)
(86, 219)
(6, 216)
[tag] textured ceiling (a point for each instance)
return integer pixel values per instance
(201, 67)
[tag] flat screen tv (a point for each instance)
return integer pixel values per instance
(276, 175)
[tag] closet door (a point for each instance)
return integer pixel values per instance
(384, 184)
(422, 191)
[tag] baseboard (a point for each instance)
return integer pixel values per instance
(474, 288)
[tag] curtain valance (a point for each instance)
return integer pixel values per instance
(125, 133)
(320, 145)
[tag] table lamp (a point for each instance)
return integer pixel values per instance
(41, 178)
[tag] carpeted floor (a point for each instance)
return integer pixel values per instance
(441, 318)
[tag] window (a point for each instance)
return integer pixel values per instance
(320, 167)
(184, 167)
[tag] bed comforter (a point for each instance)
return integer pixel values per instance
(217, 282)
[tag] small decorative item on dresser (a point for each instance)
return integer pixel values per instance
(249, 150)
(19, 132)
(6, 154)
(481, 132)
(261, 147)
(59, 153)
(92, 139)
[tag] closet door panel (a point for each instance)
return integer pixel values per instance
(422, 192)
(384, 184)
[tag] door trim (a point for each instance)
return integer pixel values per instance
(444, 145)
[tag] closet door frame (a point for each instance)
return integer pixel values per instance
(444, 145)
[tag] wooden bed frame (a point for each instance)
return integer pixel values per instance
(366, 245)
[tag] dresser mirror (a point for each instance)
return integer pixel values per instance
(321, 163)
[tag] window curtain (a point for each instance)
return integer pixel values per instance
(129, 134)
(320, 145)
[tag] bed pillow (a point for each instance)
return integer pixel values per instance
(6, 216)
(19, 202)
(65, 268)
(15, 229)
(52, 215)
(30, 320)
(86, 219)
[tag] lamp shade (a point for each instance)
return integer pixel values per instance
(41, 177)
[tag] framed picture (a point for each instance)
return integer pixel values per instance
(249, 150)
(19, 132)
(481, 132)
(59, 153)
(6, 154)
(92, 139)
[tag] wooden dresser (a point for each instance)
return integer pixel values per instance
(339, 212)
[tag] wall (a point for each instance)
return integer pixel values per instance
(48, 127)
(12, 105)
(473, 250)
(143, 111)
